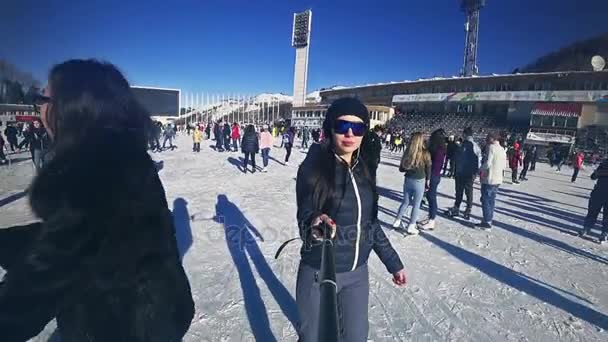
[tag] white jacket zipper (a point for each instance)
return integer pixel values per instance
(352, 178)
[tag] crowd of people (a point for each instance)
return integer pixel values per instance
(111, 260)
(34, 138)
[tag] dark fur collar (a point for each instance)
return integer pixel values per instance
(90, 177)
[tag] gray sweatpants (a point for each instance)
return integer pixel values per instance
(353, 299)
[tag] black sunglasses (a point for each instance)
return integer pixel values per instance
(342, 127)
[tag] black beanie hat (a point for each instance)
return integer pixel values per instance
(344, 106)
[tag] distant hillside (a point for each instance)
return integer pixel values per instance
(575, 57)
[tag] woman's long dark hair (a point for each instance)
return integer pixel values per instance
(92, 101)
(437, 141)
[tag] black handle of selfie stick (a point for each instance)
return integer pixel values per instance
(328, 316)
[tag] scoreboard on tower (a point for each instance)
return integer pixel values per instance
(301, 29)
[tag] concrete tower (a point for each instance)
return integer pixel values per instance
(301, 41)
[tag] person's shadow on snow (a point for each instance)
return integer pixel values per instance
(236, 162)
(183, 231)
(241, 240)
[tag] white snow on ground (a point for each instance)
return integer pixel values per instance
(529, 279)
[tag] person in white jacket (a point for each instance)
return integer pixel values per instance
(491, 176)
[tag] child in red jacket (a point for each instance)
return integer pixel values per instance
(577, 164)
(515, 161)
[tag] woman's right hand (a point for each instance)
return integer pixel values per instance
(317, 234)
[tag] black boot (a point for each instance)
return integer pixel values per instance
(467, 214)
(584, 232)
(603, 237)
(452, 212)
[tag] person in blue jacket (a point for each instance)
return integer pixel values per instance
(334, 186)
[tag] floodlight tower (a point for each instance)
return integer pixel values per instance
(300, 40)
(471, 8)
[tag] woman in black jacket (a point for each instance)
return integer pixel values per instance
(250, 146)
(103, 259)
(334, 187)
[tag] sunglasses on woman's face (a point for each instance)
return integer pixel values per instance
(342, 127)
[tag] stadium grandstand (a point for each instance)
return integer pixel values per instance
(551, 106)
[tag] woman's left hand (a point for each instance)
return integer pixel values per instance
(399, 278)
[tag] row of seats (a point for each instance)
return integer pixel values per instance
(452, 123)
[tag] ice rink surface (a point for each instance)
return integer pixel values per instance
(529, 279)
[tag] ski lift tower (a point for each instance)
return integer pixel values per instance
(300, 40)
(471, 8)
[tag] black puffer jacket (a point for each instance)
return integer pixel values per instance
(39, 139)
(250, 143)
(103, 260)
(354, 211)
(601, 175)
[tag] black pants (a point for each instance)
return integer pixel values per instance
(2, 156)
(196, 147)
(227, 143)
(464, 185)
(533, 165)
(598, 201)
(13, 144)
(514, 175)
(524, 171)
(288, 148)
(247, 157)
(24, 144)
(219, 144)
(575, 174)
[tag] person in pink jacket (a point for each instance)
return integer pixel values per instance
(266, 141)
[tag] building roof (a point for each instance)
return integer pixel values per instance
(434, 79)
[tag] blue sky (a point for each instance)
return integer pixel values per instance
(244, 46)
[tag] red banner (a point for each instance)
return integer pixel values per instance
(557, 109)
(26, 118)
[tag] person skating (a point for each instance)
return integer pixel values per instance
(467, 162)
(102, 260)
(534, 158)
(334, 187)
(169, 134)
(515, 161)
(305, 138)
(219, 136)
(2, 155)
(11, 137)
(226, 133)
(288, 139)
(437, 148)
(416, 164)
(235, 135)
(266, 141)
(39, 144)
(208, 131)
(372, 148)
(27, 136)
(577, 164)
(387, 140)
(528, 157)
(561, 159)
(449, 157)
(197, 137)
(250, 147)
(491, 176)
(598, 201)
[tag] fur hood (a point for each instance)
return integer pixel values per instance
(104, 259)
